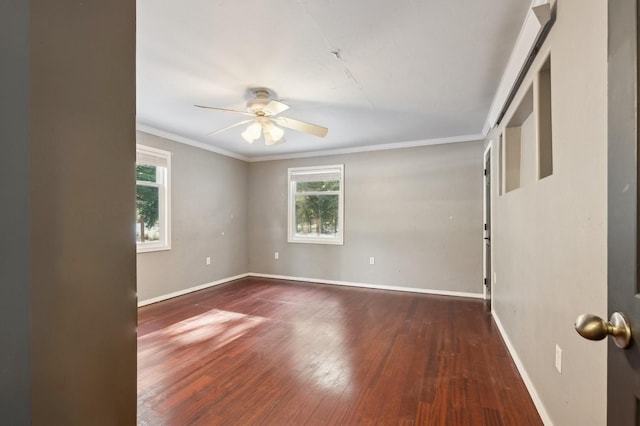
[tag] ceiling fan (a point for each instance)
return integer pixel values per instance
(264, 120)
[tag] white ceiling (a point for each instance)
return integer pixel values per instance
(408, 70)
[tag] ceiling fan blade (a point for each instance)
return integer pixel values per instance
(275, 107)
(225, 109)
(229, 127)
(301, 126)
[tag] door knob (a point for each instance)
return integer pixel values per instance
(595, 328)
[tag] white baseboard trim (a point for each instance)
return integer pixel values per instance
(523, 373)
(311, 280)
(375, 286)
(189, 290)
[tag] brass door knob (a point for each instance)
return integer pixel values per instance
(595, 328)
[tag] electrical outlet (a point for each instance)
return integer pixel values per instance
(558, 359)
(372, 261)
(276, 256)
(208, 261)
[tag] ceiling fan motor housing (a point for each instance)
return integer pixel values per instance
(258, 103)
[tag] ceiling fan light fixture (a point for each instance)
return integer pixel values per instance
(276, 132)
(252, 133)
(269, 140)
(264, 112)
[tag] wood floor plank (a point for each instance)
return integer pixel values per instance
(271, 352)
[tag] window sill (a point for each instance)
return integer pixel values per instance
(151, 249)
(333, 241)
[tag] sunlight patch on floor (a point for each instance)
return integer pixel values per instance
(215, 327)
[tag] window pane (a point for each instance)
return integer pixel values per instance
(327, 185)
(316, 197)
(146, 173)
(317, 215)
(147, 213)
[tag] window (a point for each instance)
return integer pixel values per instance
(316, 204)
(153, 167)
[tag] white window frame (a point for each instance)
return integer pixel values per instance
(291, 216)
(164, 198)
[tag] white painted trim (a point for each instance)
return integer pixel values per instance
(181, 139)
(311, 280)
(529, 33)
(487, 153)
(369, 148)
(523, 373)
(374, 286)
(189, 290)
(487, 149)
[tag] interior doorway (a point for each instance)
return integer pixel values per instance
(487, 225)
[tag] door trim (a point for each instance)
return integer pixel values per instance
(486, 154)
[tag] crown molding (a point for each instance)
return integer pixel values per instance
(181, 139)
(370, 148)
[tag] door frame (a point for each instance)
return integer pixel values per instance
(487, 155)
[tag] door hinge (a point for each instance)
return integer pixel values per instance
(485, 172)
(485, 281)
(485, 226)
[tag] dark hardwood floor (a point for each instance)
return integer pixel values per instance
(270, 352)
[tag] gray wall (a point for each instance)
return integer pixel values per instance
(14, 214)
(549, 235)
(67, 260)
(418, 211)
(208, 219)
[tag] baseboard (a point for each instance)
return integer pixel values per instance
(375, 286)
(311, 280)
(189, 290)
(523, 373)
